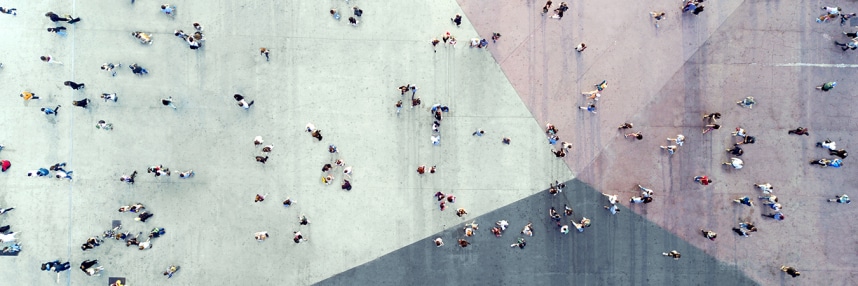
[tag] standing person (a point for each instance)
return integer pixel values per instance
(261, 236)
(745, 201)
(580, 47)
(438, 242)
(263, 51)
(109, 96)
(799, 131)
(298, 238)
(827, 86)
(51, 111)
(434, 43)
(74, 85)
(353, 21)
(463, 243)
(657, 16)
(839, 153)
(168, 102)
(495, 37)
(50, 60)
(87, 267)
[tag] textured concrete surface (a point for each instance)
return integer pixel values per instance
(344, 79)
(663, 79)
(622, 249)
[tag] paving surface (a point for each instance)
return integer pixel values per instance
(663, 79)
(343, 79)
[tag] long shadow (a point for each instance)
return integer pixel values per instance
(621, 249)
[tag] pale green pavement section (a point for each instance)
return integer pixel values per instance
(322, 71)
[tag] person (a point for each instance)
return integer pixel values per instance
(9, 11)
(59, 30)
(839, 153)
(109, 96)
(712, 117)
(259, 198)
(580, 47)
(241, 102)
(457, 20)
(613, 199)
(521, 243)
(461, 212)
(353, 21)
(168, 10)
(766, 188)
(736, 150)
(438, 242)
(741, 232)
(358, 11)
(346, 185)
(8, 237)
(671, 149)
(747, 102)
(740, 132)
(51, 111)
(298, 238)
(264, 52)
(261, 236)
(673, 253)
(736, 163)
(157, 232)
(711, 235)
(546, 7)
(142, 217)
(186, 174)
(679, 140)
(49, 59)
(658, 16)
(827, 86)
(138, 70)
(790, 270)
(143, 37)
(170, 271)
(799, 131)
(626, 126)
(335, 14)
(288, 202)
(74, 85)
(528, 229)
(710, 127)
(828, 144)
(843, 199)
(745, 201)
(497, 231)
(613, 209)
(636, 135)
(87, 267)
(777, 216)
(748, 225)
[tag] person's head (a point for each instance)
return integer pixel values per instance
(639, 136)
(333, 11)
(44, 58)
(164, 6)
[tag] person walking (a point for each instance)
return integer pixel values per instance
(703, 180)
(843, 199)
(591, 108)
(673, 253)
(50, 60)
(790, 270)
(81, 103)
(658, 16)
(711, 235)
(74, 85)
(168, 102)
(671, 149)
(799, 131)
(263, 51)
(51, 111)
(26, 95)
(746, 200)
(636, 135)
(9, 11)
(241, 102)
(827, 86)
(679, 140)
(710, 127)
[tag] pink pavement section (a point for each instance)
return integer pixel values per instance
(663, 79)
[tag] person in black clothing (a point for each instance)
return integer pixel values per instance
(74, 85)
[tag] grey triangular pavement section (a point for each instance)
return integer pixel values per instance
(622, 249)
